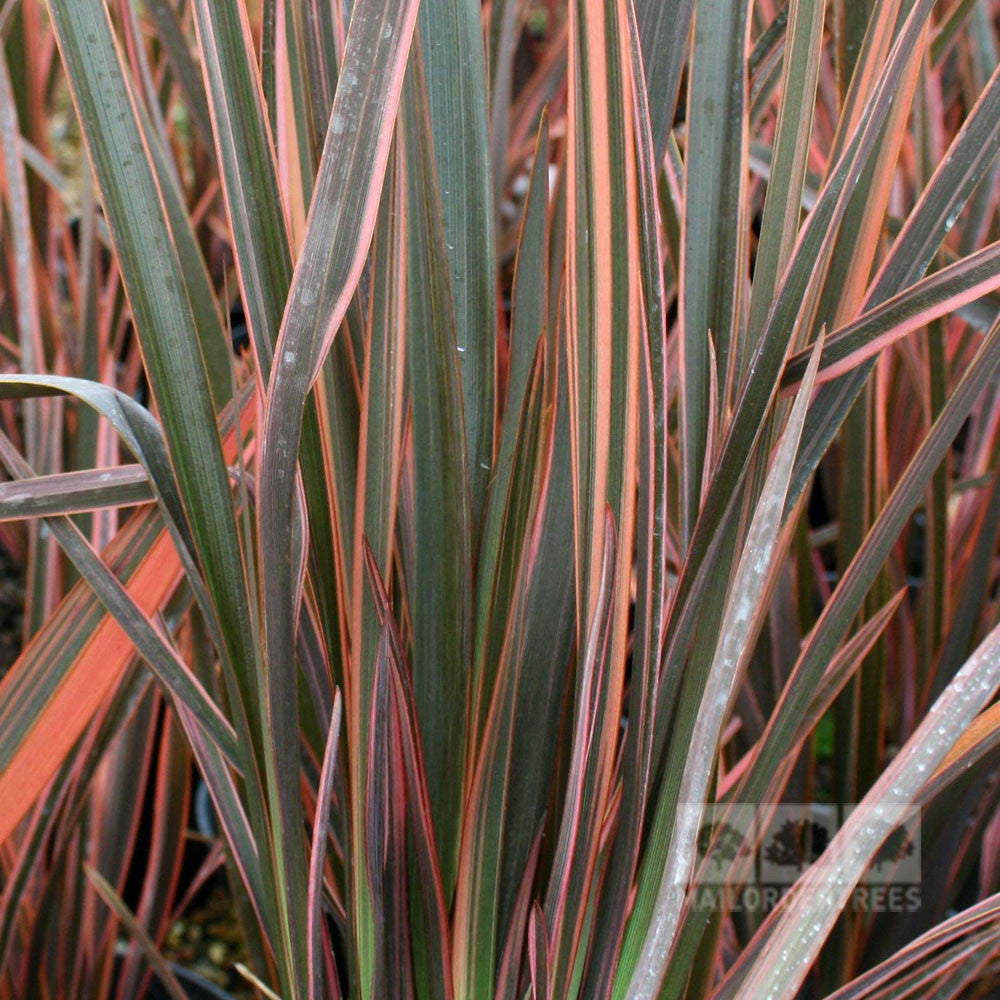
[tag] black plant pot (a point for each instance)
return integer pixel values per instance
(196, 987)
(205, 820)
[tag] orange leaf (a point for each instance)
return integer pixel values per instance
(87, 683)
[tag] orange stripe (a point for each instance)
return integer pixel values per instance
(92, 677)
(84, 689)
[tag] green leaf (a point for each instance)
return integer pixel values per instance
(385, 847)
(433, 937)
(317, 854)
(341, 222)
(749, 415)
(478, 919)
(149, 638)
(262, 251)
(783, 200)
(741, 621)
(175, 45)
(74, 492)
(652, 582)
(155, 280)
(379, 461)
(798, 936)
(665, 32)
(714, 241)
(965, 163)
(529, 302)
(27, 315)
(575, 859)
(943, 292)
(248, 171)
(75, 632)
(451, 34)
(135, 929)
(439, 583)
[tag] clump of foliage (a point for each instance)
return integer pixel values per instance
(491, 447)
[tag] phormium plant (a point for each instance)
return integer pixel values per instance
(538, 466)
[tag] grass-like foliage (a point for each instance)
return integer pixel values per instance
(497, 448)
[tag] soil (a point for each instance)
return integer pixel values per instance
(11, 609)
(208, 941)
